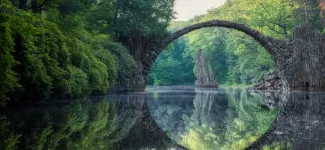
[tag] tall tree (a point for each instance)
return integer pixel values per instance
(141, 25)
(309, 12)
(141, 21)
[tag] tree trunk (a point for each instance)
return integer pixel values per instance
(306, 11)
(23, 4)
(136, 47)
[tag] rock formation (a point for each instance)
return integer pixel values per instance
(270, 82)
(204, 78)
(300, 61)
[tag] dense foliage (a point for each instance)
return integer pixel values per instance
(171, 67)
(60, 53)
(61, 49)
(138, 24)
(83, 124)
(52, 49)
(235, 57)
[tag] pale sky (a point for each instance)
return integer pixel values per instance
(188, 9)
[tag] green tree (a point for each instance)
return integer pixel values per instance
(172, 67)
(236, 58)
(137, 24)
(60, 52)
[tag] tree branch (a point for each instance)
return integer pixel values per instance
(34, 6)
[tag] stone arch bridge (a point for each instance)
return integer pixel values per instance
(300, 62)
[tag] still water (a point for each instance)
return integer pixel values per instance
(171, 118)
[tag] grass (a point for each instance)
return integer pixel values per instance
(240, 86)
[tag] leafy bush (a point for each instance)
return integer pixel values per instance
(47, 56)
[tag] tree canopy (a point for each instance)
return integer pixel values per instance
(236, 58)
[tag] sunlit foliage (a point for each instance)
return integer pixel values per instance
(278, 146)
(235, 57)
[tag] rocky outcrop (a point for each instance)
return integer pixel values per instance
(204, 78)
(300, 62)
(146, 51)
(270, 82)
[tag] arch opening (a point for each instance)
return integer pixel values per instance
(286, 54)
(268, 43)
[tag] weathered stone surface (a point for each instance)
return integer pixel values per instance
(271, 82)
(300, 62)
(271, 77)
(204, 78)
(270, 44)
(303, 66)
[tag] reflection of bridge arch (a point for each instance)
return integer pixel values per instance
(300, 122)
(145, 133)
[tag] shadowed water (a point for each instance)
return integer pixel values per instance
(170, 118)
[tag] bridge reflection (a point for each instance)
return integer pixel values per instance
(300, 123)
(145, 133)
(171, 119)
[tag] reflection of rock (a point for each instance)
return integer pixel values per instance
(300, 122)
(272, 99)
(227, 119)
(174, 112)
(170, 109)
(208, 102)
(210, 118)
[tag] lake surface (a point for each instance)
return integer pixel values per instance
(171, 118)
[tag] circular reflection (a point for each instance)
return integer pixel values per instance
(198, 118)
(166, 117)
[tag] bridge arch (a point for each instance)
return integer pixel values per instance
(269, 43)
(298, 61)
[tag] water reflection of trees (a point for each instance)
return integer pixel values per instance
(223, 119)
(227, 120)
(122, 122)
(83, 124)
